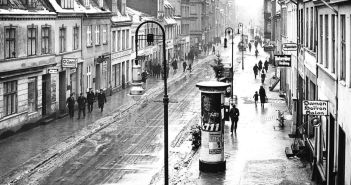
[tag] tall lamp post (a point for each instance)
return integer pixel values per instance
(150, 39)
(225, 46)
(242, 41)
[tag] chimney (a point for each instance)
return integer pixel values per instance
(114, 6)
(121, 5)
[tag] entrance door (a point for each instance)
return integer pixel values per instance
(62, 92)
(123, 75)
(341, 157)
(98, 77)
(45, 92)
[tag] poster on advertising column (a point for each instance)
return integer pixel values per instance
(210, 112)
(215, 143)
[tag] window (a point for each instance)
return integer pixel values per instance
(97, 35)
(32, 40)
(101, 3)
(3, 2)
(10, 97)
(45, 40)
(62, 39)
(311, 30)
(10, 42)
(89, 36)
(76, 37)
(127, 39)
(87, 2)
(104, 34)
(119, 40)
(133, 41)
(321, 38)
(326, 22)
(333, 44)
(343, 48)
(89, 76)
(114, 41)
(32, 95)
(123, 8)
(123, 39)
(307, 44)
(67, 4)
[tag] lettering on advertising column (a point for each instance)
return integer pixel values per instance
(210, 112)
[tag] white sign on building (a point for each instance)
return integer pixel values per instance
(69, 62)
(315, 108)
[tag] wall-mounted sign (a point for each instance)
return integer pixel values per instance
(315, 108)
(69, 62)
(53, 70)
(283, 60)
(289, 47)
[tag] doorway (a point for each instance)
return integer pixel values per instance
(62, 91)
(331, 149)
(341, 157)
(45, 92)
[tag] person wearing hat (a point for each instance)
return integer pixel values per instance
(81, 104)
(234, 117)
(90, 99)
(101, 99)
(70, 104)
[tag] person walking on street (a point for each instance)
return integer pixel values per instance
(255, 69)
(259, 66)
(101, 100)
(175, 65)
(265, 65)
(250, 47)
(144, 75)
(263, 76)
(213, 50)
(81, 104)
(70, 104)
(184, 66)
(158, 70)
(234, 117)
(90, 99)
(256, 53)
(255, 96)
(262, 93)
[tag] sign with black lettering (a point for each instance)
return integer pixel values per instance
(69, 62)
(289, 47)
(53, 70)
(283, 60)
(315, 108)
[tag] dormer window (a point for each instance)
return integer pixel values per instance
(101, 3)
(3, 2)
(87, 3)
(67, 4)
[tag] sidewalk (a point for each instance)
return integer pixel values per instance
(28, 146)
(255, 155)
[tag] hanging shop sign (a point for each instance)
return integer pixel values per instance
(289, 47)
(283, 60)
(315, 108)
(69, 62)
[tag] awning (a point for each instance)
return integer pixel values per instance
(170, 21)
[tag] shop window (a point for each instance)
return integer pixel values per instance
(32, 95)
(45, 39)
(10, 97)
(10, 42)
(31, 40)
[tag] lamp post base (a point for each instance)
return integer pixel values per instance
(219, 166)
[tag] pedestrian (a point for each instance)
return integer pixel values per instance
(101, 99)
(256, 43)
(213, 50)
(234, 117)
(263, 76)
(184, 66)
(266, 65)
(144, 75)
(256, 53)
(90, 99)
(255, 69)
(250, 46)
(255, 98)
(70, 104)
(262, 93)
(81, 104)
(260, 66)
(158, 70)
(175, 65)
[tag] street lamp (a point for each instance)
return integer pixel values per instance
(242, 41)
(150, 38)
(225, 46)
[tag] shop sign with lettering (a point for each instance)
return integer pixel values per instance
(69, 62)
(315, 108)
(283, 60)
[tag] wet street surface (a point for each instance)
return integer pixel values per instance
(126, 145)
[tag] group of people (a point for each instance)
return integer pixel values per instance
(261, 68)
(262, 95)
(156, 70)
(83, 101)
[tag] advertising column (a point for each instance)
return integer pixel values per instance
(212, 126)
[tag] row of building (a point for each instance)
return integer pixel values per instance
(320, 70)
(52, 48)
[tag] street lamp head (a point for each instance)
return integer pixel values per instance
(228, 32)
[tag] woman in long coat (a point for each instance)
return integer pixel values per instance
(263, 96)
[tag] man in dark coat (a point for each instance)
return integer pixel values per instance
(255, 69)
(70, 104)
(262, 93)
(81, 104)
(184, 65)
(234, 117)
(260, 66)
(90, 98)
(101, 99)
(265, 66)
